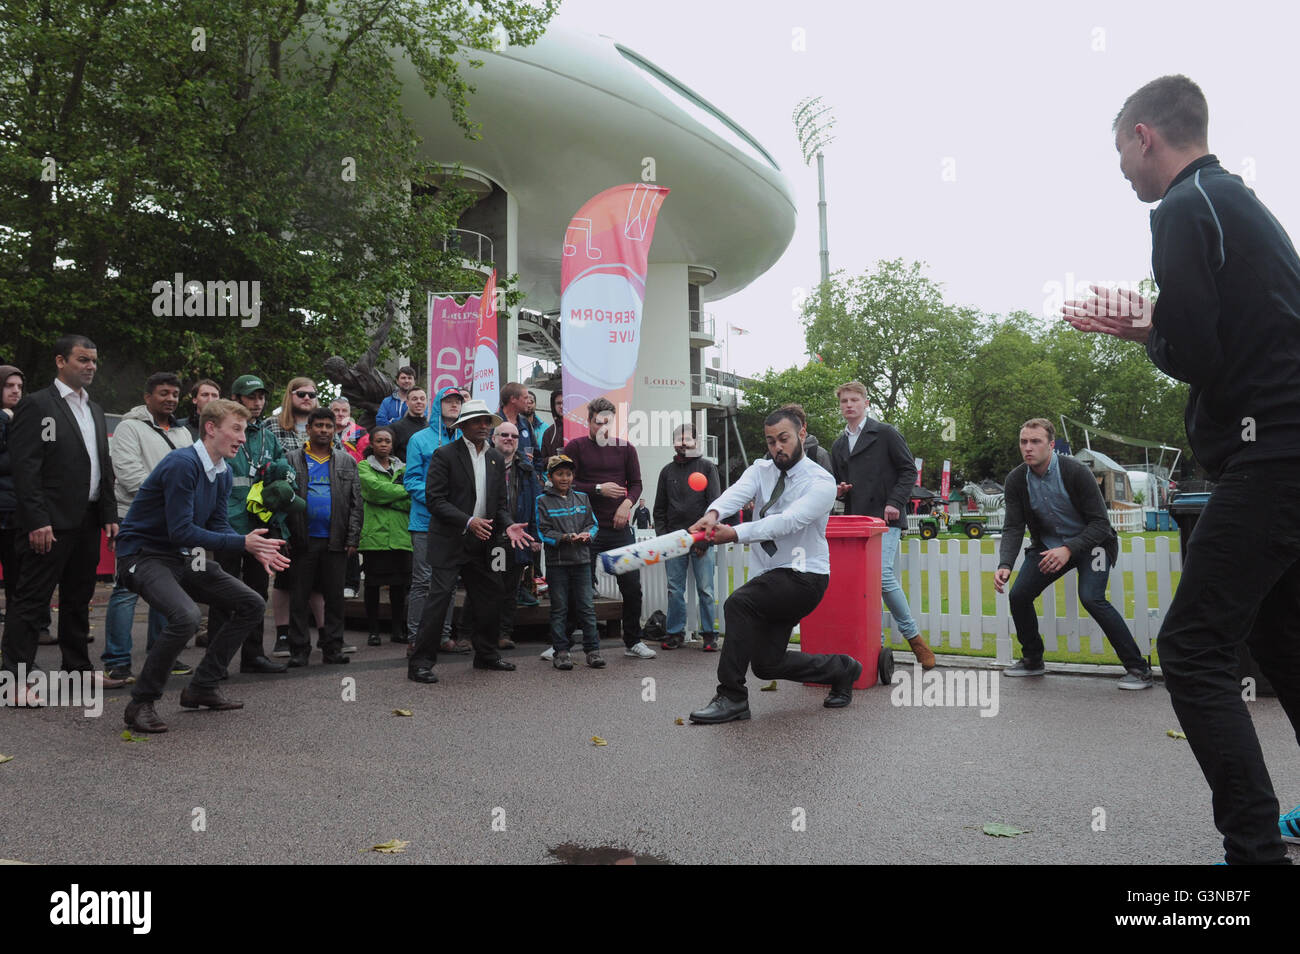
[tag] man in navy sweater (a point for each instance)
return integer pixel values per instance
(167, 554)
(1228, 323)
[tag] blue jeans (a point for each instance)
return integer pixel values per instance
(569, 590)
(117, 628)
(676, 570)
(1092, 594)
(890, 589)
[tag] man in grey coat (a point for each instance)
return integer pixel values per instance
(1060, 501)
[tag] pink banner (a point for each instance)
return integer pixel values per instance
(487, 386)
(602, 291)
(452, 337)
(945, 482)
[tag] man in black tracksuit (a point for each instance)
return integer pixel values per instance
(1227, 322)
(677, 506)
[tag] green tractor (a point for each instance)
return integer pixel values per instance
(971, 524)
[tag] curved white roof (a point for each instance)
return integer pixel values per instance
(575, 114)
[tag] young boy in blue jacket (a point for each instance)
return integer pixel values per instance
(566, 525)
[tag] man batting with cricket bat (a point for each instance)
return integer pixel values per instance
(789, 572)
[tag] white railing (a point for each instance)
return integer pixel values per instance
(702, 323)
(471, 245)
(933, 571)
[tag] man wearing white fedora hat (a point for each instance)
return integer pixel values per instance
(469, 528)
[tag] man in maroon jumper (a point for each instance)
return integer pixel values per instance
(608, 472)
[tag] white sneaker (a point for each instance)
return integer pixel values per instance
(548, 653)
(349, 593)
(640, 651)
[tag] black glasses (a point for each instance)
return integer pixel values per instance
(305, 394)
(508, 437)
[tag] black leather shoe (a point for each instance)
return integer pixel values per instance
(334, 659)
(721, 709)
(141, 717)
(425, 675)
(192, 698)
(399, 638)
(841, 693)
(374, 640)
(498, 664)
(261, 664)
(297, 662)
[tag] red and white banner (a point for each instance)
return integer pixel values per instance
(606, 253)
(919, 463)
(945, 482)
(452, 335)
(487, 384)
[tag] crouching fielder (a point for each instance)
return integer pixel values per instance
(789, 570)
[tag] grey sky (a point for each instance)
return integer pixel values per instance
(1015, 94)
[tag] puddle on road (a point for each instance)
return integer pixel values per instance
(571, 854)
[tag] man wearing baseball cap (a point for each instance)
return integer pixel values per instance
(260, 448)
(469, 528)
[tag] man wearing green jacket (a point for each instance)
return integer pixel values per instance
(260, 448)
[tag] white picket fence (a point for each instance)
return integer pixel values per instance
(932, 570)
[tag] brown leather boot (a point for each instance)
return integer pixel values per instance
(142, 717)
(922, 651)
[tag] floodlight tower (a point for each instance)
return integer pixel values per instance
(813, 124)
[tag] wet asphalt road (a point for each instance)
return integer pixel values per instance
(500, 768)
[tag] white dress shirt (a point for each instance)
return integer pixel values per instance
(79, 404)
(210, 470)
(796, 523)
(853, 435)
(479, 460)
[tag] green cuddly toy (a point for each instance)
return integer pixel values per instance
(279, 491)
(275, 495)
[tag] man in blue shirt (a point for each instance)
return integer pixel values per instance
(166, 553)
(323, 538)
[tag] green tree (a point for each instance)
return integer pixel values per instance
(890, 329)
(229, 141)
(812, 386)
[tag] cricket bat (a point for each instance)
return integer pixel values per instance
(634, 556)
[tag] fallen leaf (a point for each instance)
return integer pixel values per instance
(128, 737)
(770, 687)
(393, 847)
(998, 830)
(679, 721)
(1174, 735)
(597, 740)
(403, 712)
(6, 758)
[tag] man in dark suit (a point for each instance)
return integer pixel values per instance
(63, 480)
(875, 472)
(469, 524)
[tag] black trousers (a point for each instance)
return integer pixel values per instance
(1241, 581)
(509, 590)
(317, 569)
(482, 587)
(243, 566)
(172, 586)
(70, 565)
(629, 584)
(8, 561)
(760, 617)
(396, 602)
